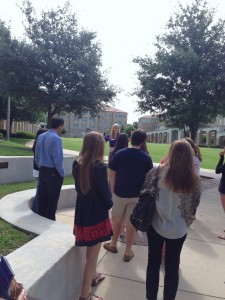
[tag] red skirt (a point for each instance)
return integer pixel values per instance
(92, 235)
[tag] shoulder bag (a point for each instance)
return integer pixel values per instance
(142, 215)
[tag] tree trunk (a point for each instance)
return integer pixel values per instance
(193, 133)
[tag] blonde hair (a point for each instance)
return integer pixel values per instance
(112, 133)
(181, 176)
(92, 150)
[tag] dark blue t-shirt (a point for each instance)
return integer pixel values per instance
(131, 166)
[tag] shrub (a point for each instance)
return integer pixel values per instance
(206, 146)
(3, 131)
(1, 136)
(23, 135)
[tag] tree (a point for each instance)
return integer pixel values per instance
(184, 82)
(135, 125)
(68, 63)
(127, 128)
(19, 111)
(16, 78)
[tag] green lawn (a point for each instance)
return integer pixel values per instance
(75, 144)
(16, 147)
(157, 151)
(10, 237)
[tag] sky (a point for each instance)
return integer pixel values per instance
(126, 29)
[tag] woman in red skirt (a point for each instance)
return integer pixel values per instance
(92, 225)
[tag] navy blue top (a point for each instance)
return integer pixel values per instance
(220, 168)
(131, 166)
(92, 207)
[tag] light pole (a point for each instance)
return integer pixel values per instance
(8, 120)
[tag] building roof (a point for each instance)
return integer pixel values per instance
(113, 109)
(147, 117)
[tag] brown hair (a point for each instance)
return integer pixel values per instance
(39, 132)
(181, 176)
(195, 147)
(92, 150)
(144, 147)
(121, 142)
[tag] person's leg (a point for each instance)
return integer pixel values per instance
(90, 269)
(172, 261)
(118, 215)
(54, 185)
(36, 200)
(155, 244)
(130, 233)
(130, 230)
(42, 194)
(222, 197)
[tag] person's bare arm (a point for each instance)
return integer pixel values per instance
(112, 179)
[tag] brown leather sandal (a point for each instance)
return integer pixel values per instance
(128, 257)
(98, 279)
(110, 248)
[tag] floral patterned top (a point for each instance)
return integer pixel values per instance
(174, 211)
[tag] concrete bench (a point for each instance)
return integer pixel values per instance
(20, 168)
(49, 266)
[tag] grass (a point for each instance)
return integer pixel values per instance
(75, 144)
(16, 147)
(157, 151)
(12, 238)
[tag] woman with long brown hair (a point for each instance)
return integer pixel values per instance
(179, 193)
(92, 225)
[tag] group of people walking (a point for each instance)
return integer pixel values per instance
(116, 187)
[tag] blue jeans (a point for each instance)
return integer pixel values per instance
(172, 261)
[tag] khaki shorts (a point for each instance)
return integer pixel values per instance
(122, 208)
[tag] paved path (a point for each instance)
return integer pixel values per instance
(202, 269)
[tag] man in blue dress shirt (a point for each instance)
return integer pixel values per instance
(49, 158)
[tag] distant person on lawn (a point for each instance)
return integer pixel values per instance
(49, 159)
(127, 172)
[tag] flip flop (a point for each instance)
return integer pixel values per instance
(128, 257)
(222, 237)
(98, 279)
(108, 247)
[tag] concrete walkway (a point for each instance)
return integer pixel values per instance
(202, 269)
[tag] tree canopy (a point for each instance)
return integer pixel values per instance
(184, 81)
(67, 63)
(16, 78)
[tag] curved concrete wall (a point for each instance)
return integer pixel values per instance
(50, 266)
(20, 168)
